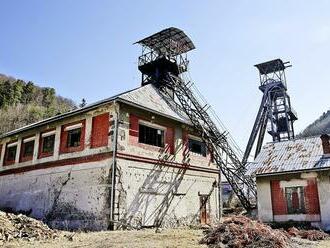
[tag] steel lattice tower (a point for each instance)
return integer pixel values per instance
(275, 113)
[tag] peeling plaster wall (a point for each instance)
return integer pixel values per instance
(160, 195)
(68, 190)
(153, 194)
(69, 197)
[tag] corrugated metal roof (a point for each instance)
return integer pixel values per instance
(147, 97)
(289, 156)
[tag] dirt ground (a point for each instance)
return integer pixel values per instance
(143, 238)
(324, 244)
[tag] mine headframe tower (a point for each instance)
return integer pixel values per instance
(275, 112)
(163, 63)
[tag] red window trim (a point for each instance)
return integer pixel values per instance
(64, 138)
(169, 135)
(185, 151)
(41, 142)
(23, 158)
(9, 162)
(0, 153)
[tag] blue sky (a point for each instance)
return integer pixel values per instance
(84, 49)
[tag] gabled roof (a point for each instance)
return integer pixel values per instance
(289, 156)
(146, 97)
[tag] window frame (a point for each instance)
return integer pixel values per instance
(196, 139)
(69, 139)
(155, 127)
(26, 140)
(43, 135)
(64, 148)
(7, 162)
(301, 200)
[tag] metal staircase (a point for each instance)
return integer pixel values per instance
(223, 154)
(163, 63)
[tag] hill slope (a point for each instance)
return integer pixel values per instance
(22, 103)
(318, 127)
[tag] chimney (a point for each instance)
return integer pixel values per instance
(325, 143)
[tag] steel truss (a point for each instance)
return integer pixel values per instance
(225, 157)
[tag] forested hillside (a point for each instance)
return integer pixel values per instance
(318, 127)
(22, 103)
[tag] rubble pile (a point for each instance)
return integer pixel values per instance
(22, 227)
(312, 235)
(240, 231)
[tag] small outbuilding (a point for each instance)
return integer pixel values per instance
(293, 181)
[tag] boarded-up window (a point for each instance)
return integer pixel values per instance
(295, 200)
(100, 130)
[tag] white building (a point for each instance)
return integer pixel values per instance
(127, 160)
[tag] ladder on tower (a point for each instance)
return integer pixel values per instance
(217, 142)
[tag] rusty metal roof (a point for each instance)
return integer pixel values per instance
(172, 39)
(289, 156)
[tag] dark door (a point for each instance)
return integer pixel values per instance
(204, 209)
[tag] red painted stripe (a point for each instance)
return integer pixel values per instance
(165, 163)
(58, 163)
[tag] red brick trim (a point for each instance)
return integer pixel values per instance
(278, 198)
(59, 163)
(165, 163)
(64, 137)
(100, 130)
(312, 203)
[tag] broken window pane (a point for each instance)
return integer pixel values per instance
(295, 200)
(74, 137)
(197, 146)
(151, 136)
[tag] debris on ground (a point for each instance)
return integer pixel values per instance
(312, 235)
(240, 231)
(13, 227)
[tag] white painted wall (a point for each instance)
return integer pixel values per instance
(324, 196)
(72, 196)
(155, 190)
(265, 212)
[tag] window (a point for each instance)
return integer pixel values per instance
(151, 136)
(74, 138)
(197, 146)
(295, 200)
(48, 144)
(11, 153)
(27, 149)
